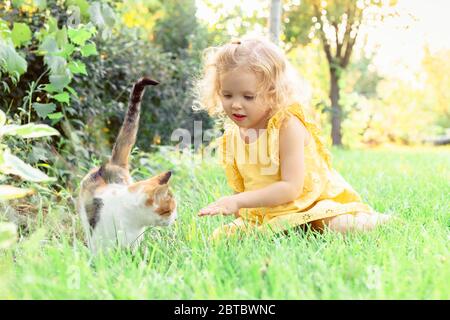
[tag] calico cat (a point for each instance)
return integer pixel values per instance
(113, 209)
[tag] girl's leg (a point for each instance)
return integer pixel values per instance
(359, 221)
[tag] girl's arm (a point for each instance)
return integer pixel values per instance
(292, 166)
(293, 135)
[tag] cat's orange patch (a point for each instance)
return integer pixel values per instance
(148, 187)
(166, 206)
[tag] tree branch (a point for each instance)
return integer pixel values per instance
(352, 23)
(338, 44)
(348, 29)
(323, 37)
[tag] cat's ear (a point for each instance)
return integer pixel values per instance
(163, 201)
(150, 184)
(163, 178)
(161, 192)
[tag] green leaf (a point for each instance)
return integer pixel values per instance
(5, 33)
(2, 118)
(55, 117)
(60, 81)
(8, 234)
(49, 45)
(62, 97)
(15, 166)
(50, 88)
(64, 48)
(82, 4)
(89, 50)
(52, 24)
(67, 51)
(30, 130)
(10, 60)
(20, 34)
(55, 63)
(102, 15)
(72, 91)
(9, 192)
(77, 67)
(79, 36)
(41, 4)
(60, 75)
(43, 109)
(61, 37)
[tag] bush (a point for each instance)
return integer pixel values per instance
(124, 58)
(91, 110)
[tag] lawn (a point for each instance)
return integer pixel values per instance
(406, 260)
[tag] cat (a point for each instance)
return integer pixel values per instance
(115, 210)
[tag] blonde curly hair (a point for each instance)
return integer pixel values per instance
(279, 85)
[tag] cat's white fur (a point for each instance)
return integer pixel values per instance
(123, 218)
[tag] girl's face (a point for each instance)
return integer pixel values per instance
(238, 90)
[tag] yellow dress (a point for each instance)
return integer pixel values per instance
(252, 166)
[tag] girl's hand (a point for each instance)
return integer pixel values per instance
(225, 206)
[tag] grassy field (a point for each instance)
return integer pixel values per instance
(397, 261)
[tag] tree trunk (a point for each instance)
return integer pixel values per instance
(336, 109)
(275, 21)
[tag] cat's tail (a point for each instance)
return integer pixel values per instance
(127, 135)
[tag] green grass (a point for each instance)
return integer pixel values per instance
(397, 261)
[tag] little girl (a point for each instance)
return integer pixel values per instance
(273, 156)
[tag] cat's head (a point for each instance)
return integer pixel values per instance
(114, 208)
(154, 203)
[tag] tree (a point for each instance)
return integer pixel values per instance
(275, 21)
(437, 72)
(337, 25)
(176, 29)
(234, 21)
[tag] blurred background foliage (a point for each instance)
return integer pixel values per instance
(70, 64)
